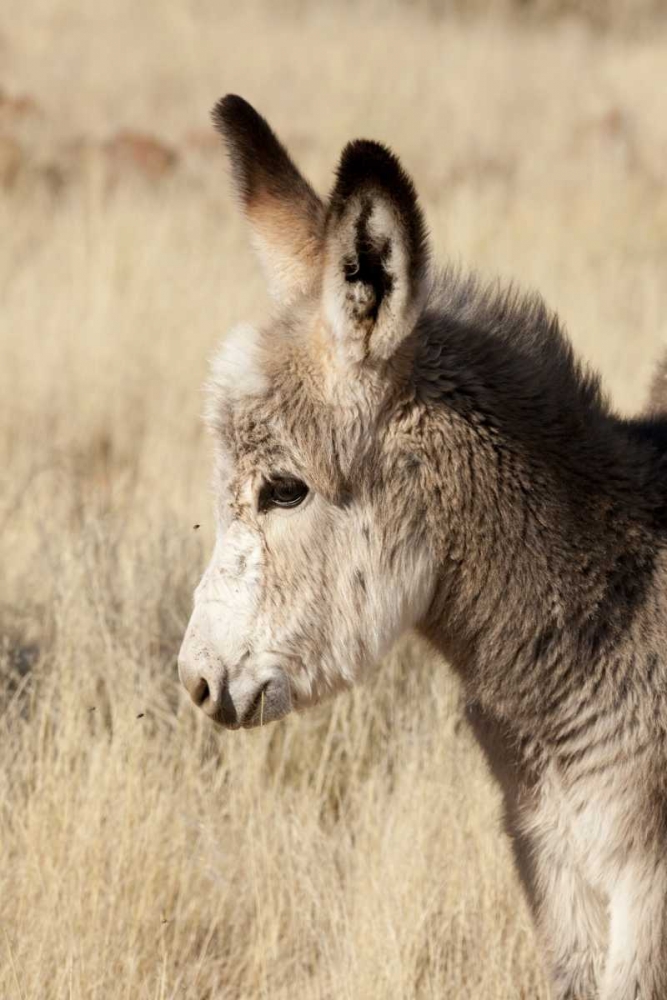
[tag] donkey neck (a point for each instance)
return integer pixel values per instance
(543, 519)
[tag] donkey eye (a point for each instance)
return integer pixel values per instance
(282, 492)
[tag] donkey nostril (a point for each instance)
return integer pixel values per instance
(201, 692)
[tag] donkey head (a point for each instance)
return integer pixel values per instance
(321, 559)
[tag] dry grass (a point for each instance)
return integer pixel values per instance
(354, 852)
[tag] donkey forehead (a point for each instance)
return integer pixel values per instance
(267, 407)
(238, 372)
(245, 403)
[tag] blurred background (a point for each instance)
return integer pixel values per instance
(354, 852)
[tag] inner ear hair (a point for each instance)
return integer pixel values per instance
(370, 172)
(366, 269)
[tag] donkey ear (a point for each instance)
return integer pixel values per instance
(376, 254)
(286, 217)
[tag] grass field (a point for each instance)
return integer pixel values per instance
(354, 852)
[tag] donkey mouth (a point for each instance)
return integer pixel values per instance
(271, 701)
(256, 710)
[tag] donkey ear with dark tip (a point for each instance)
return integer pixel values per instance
(285, 215)
(376, 253)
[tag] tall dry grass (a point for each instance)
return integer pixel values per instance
(354, 852)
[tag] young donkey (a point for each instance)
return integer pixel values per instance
(401, 448)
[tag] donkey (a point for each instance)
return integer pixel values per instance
(403, 447)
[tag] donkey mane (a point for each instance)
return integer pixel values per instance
(511, 336)
(500, 353)
(517, 329)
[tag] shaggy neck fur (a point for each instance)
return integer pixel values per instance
(551, 520)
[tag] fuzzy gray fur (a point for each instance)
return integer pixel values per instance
(468, 478)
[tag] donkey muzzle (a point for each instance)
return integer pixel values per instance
(245, 699)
